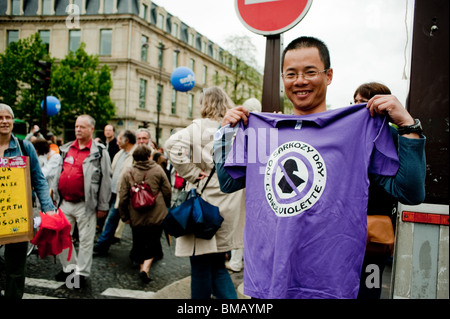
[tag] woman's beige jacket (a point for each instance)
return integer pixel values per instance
(190, 152)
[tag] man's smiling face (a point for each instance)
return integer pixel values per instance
(307, 95)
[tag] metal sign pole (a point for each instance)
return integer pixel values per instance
(271, 95)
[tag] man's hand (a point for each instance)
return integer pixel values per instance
(101, 213)
(391, 106)
(234, 115)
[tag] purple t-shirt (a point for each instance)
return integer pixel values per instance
(306, 199)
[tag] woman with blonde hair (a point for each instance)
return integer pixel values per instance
(190, 152)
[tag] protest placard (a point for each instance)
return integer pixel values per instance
(16, 210)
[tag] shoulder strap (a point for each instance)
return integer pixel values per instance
(130, 170)
(209, 178)
(22, 147)
(132, 177)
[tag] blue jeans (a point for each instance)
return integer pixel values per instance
(210, 277)
(105, 239)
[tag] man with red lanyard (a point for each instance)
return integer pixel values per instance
(83, 185)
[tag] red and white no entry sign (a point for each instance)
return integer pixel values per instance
(268, 17)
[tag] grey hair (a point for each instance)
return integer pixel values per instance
(144, 130)
(6, 107)
(90, 119)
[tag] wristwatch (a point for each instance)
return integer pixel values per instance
(415, 128)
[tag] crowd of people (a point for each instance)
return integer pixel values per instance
(317, 250)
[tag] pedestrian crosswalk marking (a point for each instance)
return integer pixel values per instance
(43, 283)
(127, 293)
(112, 292)
(33, 296)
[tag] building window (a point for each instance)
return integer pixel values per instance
(192, 64)
(191, 39)
(205, 74)
(144, 9)
(15, 10)
(159, 91)
(174, 102)
(216, 78)
(108, 6)
(144, 48)
(160, 55)
(74, 40)
(175, 29)
(45, 37)
(142, 93)
(176, 54)
(190, 105)
(105, 41)
(231, 62)
(79, 4)
(160, 21)
(47, 7)
(12, 36)
(203, 47)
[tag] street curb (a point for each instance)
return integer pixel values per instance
(240, 292)
(180, 289)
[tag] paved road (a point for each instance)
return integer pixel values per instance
(114, 276)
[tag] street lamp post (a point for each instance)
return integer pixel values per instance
(159, 90)
(43, 79)
(161, 48)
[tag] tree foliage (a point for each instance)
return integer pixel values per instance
(17, 87)
(78, 81)
(244, 66)
(82, 88)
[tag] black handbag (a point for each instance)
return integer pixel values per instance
(194, 216)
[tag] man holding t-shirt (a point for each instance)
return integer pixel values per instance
(307, 182)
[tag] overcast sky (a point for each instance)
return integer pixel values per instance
(366, 39)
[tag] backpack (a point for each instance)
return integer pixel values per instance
(141, 195)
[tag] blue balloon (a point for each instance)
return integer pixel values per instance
(53, 105)
(182, 79)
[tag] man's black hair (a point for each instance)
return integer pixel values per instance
(309, 42)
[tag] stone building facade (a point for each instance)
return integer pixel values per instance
(142, 43)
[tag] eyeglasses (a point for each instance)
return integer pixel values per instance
(308, 75)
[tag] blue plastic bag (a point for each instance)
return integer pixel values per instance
(194, 216)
